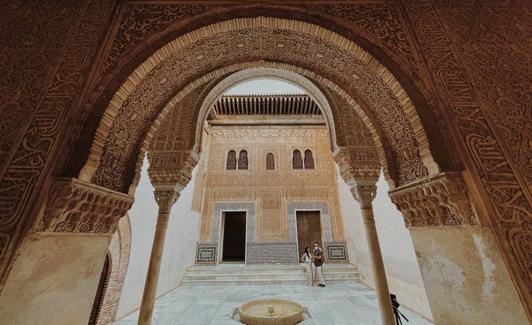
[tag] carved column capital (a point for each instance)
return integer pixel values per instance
(172, 167)
(77, 206)
(364, 193)
(352, 169)
(440, 200)
(166, 198)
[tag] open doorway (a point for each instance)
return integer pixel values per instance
(308, 229)
(234, 238)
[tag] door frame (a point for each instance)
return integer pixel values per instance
(297, 233)
(222, 236)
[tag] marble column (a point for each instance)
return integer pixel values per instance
(165, 199)
(364, 192)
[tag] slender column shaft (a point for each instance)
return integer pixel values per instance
(165, 199)
(365, 194)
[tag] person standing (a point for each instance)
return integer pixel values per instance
(318, 262)
(307, 258)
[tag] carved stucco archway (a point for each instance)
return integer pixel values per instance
(200, 108)
(275, 71)
(301, 78)
(410, 146)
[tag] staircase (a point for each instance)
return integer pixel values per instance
(264, 274)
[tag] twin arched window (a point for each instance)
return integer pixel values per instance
(299, 163)
(232, 164)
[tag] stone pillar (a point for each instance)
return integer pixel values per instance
(364, 192)
(462, 268)
(166, 199)
(361, 176)
(60, 261)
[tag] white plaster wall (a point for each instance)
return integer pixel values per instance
(402, 270)
(180, 246)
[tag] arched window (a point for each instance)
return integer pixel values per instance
(243, 160)
(297, 162)
(309, 161)
(270, 161)
(231, 160)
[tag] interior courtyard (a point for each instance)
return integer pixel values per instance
(169, 162)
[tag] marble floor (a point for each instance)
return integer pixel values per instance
(336, 304)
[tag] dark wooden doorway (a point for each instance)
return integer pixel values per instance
(234, 240)
(308, 230)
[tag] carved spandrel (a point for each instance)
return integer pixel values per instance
(381, 102)
(43, 94)
(481, 111)
(78, 207)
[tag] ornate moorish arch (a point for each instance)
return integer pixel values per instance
(372, 86)
(362, 145)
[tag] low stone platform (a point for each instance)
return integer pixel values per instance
(232, 273)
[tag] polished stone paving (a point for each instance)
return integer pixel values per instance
(336, 304)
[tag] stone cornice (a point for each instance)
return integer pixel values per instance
(77, 206)
(440, 200)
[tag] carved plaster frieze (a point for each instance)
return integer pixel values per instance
(441, 200)
(172, 167)
(381, 99)
(76, 206)
(352, 167)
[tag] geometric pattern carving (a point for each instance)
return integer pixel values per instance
(206, 253)
(482, 108)
(441, 200)
(44, 64)
(77, 206)
(382, 103)
(336, 251)
(352, 170)
(479, 105)
(172, 167)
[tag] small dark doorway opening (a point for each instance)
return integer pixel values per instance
(308, 230)
(234, 240)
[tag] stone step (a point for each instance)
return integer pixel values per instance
(263, 274)
(264, 268)
(243, 282)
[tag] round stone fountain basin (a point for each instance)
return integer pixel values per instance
(271, 312)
